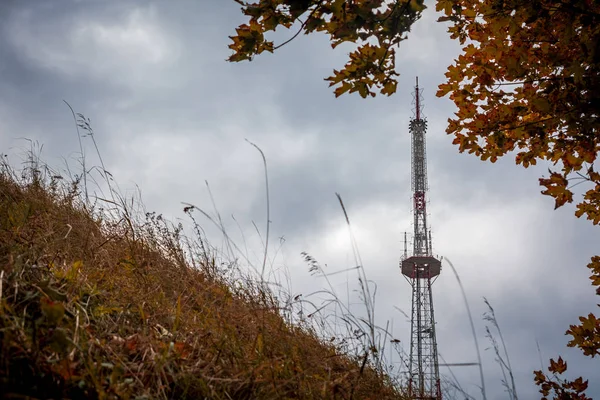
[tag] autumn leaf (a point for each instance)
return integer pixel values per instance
(558, 366)
(556, 186)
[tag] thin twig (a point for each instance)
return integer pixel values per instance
(301, 26)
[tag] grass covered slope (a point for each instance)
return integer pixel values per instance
(99, 307)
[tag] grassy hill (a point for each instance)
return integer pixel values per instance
(98, 306)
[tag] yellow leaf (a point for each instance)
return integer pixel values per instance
(73, 272)
(469, 12)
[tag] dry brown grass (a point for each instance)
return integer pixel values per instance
(98, 306)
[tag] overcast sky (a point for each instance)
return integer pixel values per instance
(170, 113)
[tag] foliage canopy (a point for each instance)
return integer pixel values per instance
(528, 80)
(376, 25)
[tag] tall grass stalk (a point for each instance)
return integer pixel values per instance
(503, 361)
(268, 207)
(462, 290)
(81, 152)
(85, 124)
(369, 300)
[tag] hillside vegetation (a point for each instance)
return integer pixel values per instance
(102, 304)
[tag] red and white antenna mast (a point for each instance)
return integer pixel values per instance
(420, 269)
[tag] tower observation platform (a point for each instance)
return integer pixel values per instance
(421, 267)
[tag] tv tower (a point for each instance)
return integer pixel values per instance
(421, 269)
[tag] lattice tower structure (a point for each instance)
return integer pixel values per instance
(421, 269)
